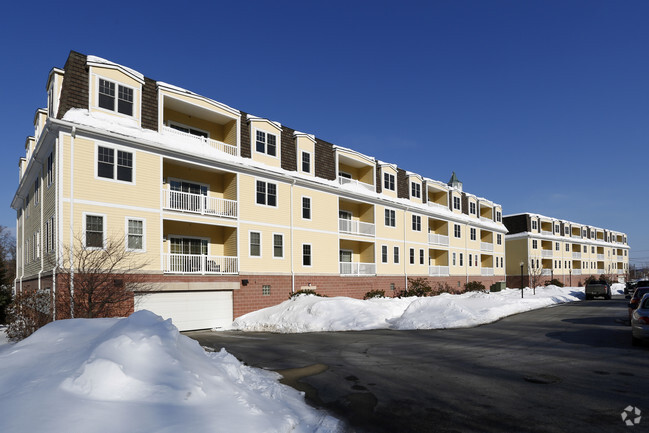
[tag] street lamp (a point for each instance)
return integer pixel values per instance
(522, 264)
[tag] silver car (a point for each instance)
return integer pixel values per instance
(640, 322)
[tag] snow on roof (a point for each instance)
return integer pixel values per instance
(99, 60)
(252, 117)
(553, 219)
(129, 128)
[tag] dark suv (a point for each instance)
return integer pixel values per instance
(598, 288)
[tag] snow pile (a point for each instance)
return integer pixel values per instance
(618, 288)
(140, 374)
(314, 314)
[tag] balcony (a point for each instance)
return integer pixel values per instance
(600, 271)
(487, 272)
(435, 239)
(199, 203)
(485, 219)
(357, 268)
(200, 264)
(347, 181)
(576, 236)
(546, 253)
(438, 271)
(546, 232)
(576, 272)
(355, 227)
(576, 256)
(546, 271)
(436, 205)
(214, 144)
(600, 256)
(486, 246)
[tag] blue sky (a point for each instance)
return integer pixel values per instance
(540, 106)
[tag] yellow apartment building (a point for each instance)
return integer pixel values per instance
(229, 212)
(551, 248)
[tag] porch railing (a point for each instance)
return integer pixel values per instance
(200, 264)
(438, 271)
(356, 227)
(357, 268)
(215, 144)
(199, 203)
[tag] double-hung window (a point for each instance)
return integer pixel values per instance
(534, 225)
(306, 208)
(388, 181)
(457, 231)
(390, 218)
(384, 253)
(50, 168)
(306, 254)
(472, 210)
(473, 234)
(106, 164)
(412, 256)
(255, 244)
(94, 234)
(416, 223)
(106, 98)
(135, 235)
(415, 189)
(306, 162)
(37, 187)
(266, 143)
(266, 193)
(278, 246)
(499, 239)
(421, 257)
(396, 255)
(456, 203)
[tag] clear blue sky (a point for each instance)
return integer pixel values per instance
(541, 106)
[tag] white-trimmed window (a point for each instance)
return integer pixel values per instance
(50, 169)
(135, 234)
(473, 234)
(534, 225)
(499, 239)
(535, 244)
(255, 244)
(106, 164)
(37, 187)
(456, 203)
(306, 162)
(567, 247)
(415, 190)
(107, 95)
(416, 223)
(395, 257)
(412, 256)
(457, 231)
(306, 255)
(470, 260)
(472, 210)
(557, 247)
(388, 181)
(278, 245)
(384, 253)
(266, 193)
(94, 231)
(454, 259)
(461, 259)
(422, 257)
(306, 208)
(266, 143)
(499, 216)
(390, 218)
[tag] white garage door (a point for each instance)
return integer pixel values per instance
(190, 310)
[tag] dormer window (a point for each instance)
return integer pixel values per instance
(107, 97)
(415, 190)
(388, 181)
(472, 208)
(266, 143)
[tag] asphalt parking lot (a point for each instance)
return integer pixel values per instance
(567, 368)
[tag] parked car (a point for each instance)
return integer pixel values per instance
(598, 288)
(635, 299)
(640, 322)
(629, 287)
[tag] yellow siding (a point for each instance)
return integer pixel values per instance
(120, 78)
(198, 102)
(216, 131)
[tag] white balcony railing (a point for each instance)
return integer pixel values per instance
(486, 246)
(546, 253)
(357, 268)
(436, 239)
(436, 205)
(487, 272)
(355, 227)
(485, 219)
(576, 272)
(348, 181)
(438, 271)
(215, 144)
(200, 264)
(600, 256)
(546, 272)
(600, 271)
(576, 255)
(546, 232)
(576, 236)
(198, 203)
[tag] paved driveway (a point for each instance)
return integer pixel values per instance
(570, 368)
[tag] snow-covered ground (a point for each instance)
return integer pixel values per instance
(139, 374)
(313, 314)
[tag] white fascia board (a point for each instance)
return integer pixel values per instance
(252, 118)
(180, 91)
(103, 63)
(305, 135)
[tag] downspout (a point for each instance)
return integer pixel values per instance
(40, 232)
(71, 246)
(291, 236)
(55, 233)
(405, 249)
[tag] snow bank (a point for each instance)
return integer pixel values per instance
(313, 314)
(140, 374)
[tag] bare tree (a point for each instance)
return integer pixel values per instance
(101, 282)
(535, 271)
